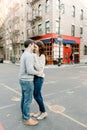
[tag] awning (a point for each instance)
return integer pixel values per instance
(65, 41)
(69, 41)
(46, 40)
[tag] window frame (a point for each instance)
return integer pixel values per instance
(73, 11)
(47, 6)
(39, 10)
(39, 28)
(47, 27)
(72, 30)
(81, 15)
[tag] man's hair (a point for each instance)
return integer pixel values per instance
(28, 42)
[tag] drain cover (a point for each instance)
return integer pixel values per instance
(56, 108)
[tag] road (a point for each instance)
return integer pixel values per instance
(64, 92)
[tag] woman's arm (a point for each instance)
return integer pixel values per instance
(39, 62)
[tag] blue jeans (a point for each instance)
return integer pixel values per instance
(38, 82)
(26, 98)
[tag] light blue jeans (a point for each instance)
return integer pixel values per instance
(26, 98)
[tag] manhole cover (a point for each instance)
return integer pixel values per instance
(56, 108)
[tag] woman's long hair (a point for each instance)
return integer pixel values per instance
(41, 46)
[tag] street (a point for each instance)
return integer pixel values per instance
(64, 92)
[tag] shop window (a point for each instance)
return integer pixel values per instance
(48, 50)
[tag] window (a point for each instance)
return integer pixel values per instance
(33, 31)
(85, 50)
(57, 4)
(33, 14)
(81, 15)
(73, 11)
(28, 16)
(47, 27)
(16, 25)
(81, 31)
(57, 26)
(28, 32)
(40, 29)
(39, 10)
(73, 30)
(27, 1)
(47, 5)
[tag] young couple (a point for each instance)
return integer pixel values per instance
(31, 78)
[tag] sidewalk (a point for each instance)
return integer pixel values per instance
(84, 62)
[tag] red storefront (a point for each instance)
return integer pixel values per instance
(69, 45)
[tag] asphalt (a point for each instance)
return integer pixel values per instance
(64, 92)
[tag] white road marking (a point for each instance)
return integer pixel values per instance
(4, 107)
(71, 90)
(67, 116)
(51, 82)
(48, 94)
(74, 120)
(11, 89)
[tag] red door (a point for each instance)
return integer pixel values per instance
(66, 54)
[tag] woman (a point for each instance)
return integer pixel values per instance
(38, 80)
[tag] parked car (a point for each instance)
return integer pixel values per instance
(1, 59)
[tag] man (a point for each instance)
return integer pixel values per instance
(26, 74)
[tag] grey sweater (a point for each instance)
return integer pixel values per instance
(27, 70)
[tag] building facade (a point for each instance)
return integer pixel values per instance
(48, 20)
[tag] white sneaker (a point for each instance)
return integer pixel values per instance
(37, 114)
(42, 116)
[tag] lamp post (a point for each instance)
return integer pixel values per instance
(59, 37)
(59, 56)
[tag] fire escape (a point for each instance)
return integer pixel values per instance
(34, 17)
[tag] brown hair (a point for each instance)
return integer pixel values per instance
(28, 42)
(41, 46)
